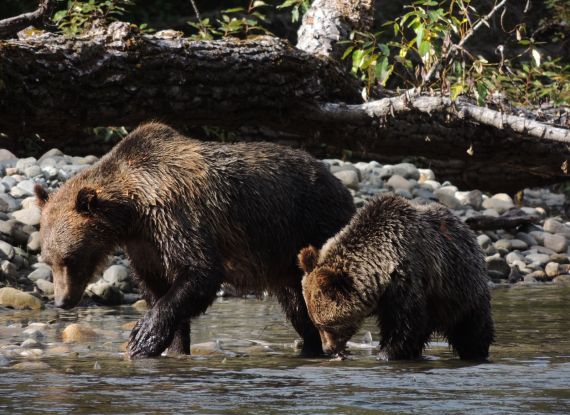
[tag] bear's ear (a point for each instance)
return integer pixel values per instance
(308, 258)
(86, 201)
(41, 195)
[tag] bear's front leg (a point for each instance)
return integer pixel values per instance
(153, 333)
(188, 297)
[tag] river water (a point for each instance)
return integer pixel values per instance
(244, 362)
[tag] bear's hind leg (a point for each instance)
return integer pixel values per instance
(472, 335)
(404, 332)
(293, 304)
(181, 341)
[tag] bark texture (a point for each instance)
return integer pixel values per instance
(263, 89)
(329, 21)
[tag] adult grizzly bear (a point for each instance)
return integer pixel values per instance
(191, 215)
(416, 267)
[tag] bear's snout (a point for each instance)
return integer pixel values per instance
(66, 303)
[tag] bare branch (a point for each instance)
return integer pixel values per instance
(13, 25)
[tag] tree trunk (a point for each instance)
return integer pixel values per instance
(56, 87)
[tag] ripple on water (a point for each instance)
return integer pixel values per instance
(245, 362)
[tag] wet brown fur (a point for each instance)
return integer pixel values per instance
(192, 215)
(416, 267)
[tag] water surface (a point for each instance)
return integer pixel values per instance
(245, 362)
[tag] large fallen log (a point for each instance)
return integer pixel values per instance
(55, 87)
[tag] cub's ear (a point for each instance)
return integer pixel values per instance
(86, 201)
(41, 195)
(308, 258)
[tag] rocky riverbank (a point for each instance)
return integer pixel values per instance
(535, 251)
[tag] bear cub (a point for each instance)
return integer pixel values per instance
(417, 268)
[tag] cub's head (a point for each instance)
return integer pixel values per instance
(76, 234)
(331, 301)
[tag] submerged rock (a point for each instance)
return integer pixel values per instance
(13, 298)
(78, 333)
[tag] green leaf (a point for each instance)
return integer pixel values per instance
(347, 52)
(258, 3)
(424, 48)
(419, 35)
(456, 90)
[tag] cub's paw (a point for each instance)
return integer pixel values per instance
(150, 337)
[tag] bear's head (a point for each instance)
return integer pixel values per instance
(331, 301)
(76, 236)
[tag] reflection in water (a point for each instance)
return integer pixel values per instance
(244, 362)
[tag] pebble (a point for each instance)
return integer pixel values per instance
(140, 305)
(30, 216)
(41, 273)
(349, 178)
(498, 265)
(399, 182)
(500, 202)
(105, 293)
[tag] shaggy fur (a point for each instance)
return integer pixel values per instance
(416, 267)
(190, 216)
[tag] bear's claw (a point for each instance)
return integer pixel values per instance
(150, 337)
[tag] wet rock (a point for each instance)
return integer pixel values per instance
(34, 365)
(140, 305)
(349, 178)
(78, 333)
(556, 242)
(562, 279)
(30, 216)
(13, 298)
(31, 344)
(498, 265)
(207, 349)
(515, 275)
(41, 273)
(35, 330)
(45, 287)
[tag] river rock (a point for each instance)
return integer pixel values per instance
(31, 365)
(562, 279)
(45, 286)
(34, 242)
(486, 244)
(474, 198)
(560, 258)
(556, 242)
(526, 238)
(8, 269)
(500, 202)
(511, 257)
(105, 293)
(116, 274)
(349, 178)
(553, 225)
(406, 170)
(540, 259)
(8, 203)
(448, 200)
(31, 344)
(78, 333)
(515, 275)
(30, 216)
(498, 265)
(13, 298)
(426, 174)
(431, 185)
(41, 273)
(140, 305)
(398, 182)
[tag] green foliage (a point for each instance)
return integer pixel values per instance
(298, 8)
(109, 134)
(79, 16)
(425, 48)
(241, 22)
(245, 22)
